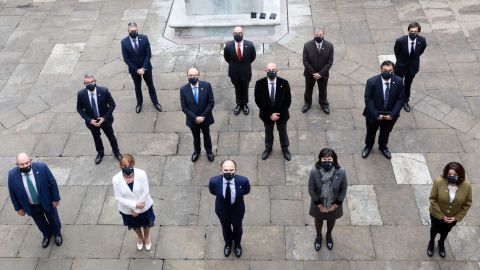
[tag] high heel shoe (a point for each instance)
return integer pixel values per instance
(149, 245)
(139, 246)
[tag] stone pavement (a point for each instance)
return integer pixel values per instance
(46, 46)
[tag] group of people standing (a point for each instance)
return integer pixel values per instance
(33, 189)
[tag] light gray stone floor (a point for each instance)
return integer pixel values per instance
(46, 46)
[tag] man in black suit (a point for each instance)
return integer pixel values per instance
(229, 189)
(407, 51)
(196, 98)
(95, 105)
(317, 59)
(273, 98)
(383, 102)
(136, 54)
(240, 54)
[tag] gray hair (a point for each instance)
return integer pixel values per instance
(318, 29)
(88, 75)
(132, 24)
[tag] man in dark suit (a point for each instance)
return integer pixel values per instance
(407, 51)
(95, 105)
(229, 190)
(196, 98)
(273, 98)
(240, 54)
(383, 102)
(317, 59)
(136, 54)
(34, 191)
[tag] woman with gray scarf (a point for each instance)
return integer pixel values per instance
(327, 185)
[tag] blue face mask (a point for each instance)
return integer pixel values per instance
(193, 80)
(127, 170)
(452, 179)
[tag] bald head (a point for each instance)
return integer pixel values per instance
(193, 72)
(229, 166)
(238, 30)
(271, 67)
(23, 160)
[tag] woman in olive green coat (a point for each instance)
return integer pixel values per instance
(450, 199)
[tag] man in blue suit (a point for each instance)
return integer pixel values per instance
(33, 190)
(383, 103)
(196, 98)
(136, 53)
(95, 105)
(229, 189)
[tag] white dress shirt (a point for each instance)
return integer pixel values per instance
(319, 45)
(232, 188)
(127, 198)
(452, 189)
(94, 93)
(24, 179)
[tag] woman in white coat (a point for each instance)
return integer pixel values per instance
(130, 187)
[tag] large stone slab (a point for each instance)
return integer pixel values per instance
(12, 237)
(298, 169)
(363, 205)
(394, 265)
(189, 242)
(462, 244)
(205, 265)
(54, 264)
(91, 264)
(178, 171)
(431, 140)
(63, 58)
(410, 168)
(176, 205)
(403, 205)
(129, 246)
(145, 264)
(31, 245)
(19, 263)
(375, 162)
(287, 212)
(100, 174)
(148, 144)
(72, 199)
(92, 205)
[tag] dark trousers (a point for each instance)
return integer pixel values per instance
(441, 227)
(108, 130)
(207, 140)
(322, 90)
(47, 222)
(385, 126)
(282, 132)
(137, 80)
(407, 83)
(232, 231)
(241, 91)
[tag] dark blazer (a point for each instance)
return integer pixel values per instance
(46, 187)
(204, 106)
(374, 97)
(315, 61)
(339, 186)
(237, 210)
(134, 60)
(283, 99)
(106, 105)
(239, 70)
(406, 63)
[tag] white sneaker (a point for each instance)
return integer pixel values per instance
(149, 245)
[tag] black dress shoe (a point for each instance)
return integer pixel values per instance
(195, 156)
(329, 243)
(318, 243)
(138, 109)
(45, 242)
(158, 107)
(246, 110)
(117, 155)
(210, 157)
(266, 154)
(237, 109)
(326, 109)
(238, 250)
(430, 248)
(98, 159)
(441, 249)
(366, 152)
(58, 240)
(406, 107)
(305, 108)
(386, 153)
(227, 250)
(286, 154)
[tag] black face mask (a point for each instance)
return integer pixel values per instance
(228, 176)
(91, 86)
(25, 169)
(318, 39)
(127, 170)
(386, 75)
(452, 179)
(238, 38)
(326, 165)
(133, 34)
(193, 80)
(412, 36)
(271, 74)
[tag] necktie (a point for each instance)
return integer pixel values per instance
(272, 92)
(31, 189)
(387, 94)
(135, 46)
(239, 53)
(94, 106)
(319, 47)
(412, 48)
(228, 194)
(195, 95)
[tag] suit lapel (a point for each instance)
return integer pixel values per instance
(21, 187)
(38, 179)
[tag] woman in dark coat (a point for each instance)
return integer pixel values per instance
(327, 186)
